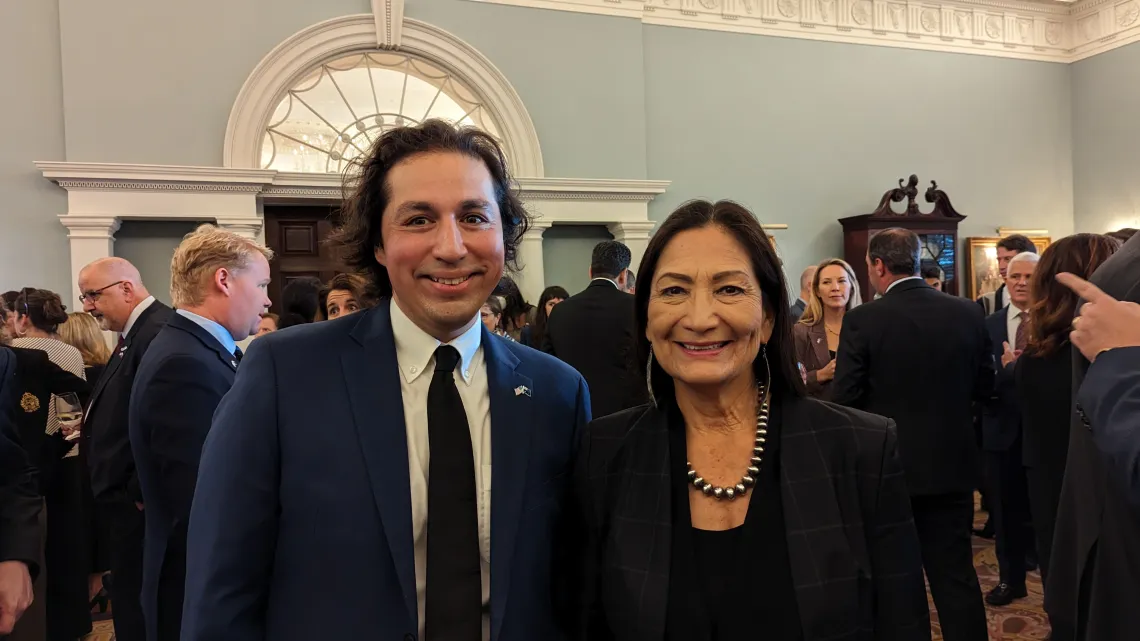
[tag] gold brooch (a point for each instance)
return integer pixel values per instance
(30, 403)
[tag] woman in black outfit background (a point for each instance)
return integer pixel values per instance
(733, 507)
(1044, 377)
(532, 334)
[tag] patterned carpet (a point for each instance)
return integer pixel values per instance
(1022, 620)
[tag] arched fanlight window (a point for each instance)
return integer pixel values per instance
(335, 112)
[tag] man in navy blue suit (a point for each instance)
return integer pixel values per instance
(218, 281)
(1001, 435)
(399, 473)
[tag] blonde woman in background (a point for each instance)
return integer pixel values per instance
(82, 332)
(834, 291)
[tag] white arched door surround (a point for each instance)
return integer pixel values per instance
(307, 49)
(101, 195)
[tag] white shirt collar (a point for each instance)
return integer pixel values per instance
(901, 280)
(135, 313)
(415, 348)
(608, 280)
(1012, 312)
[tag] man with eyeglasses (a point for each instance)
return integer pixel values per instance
(112, 291)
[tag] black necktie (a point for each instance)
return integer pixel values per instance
(237, 353)
(454, 601)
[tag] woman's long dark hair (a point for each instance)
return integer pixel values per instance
(538, 331)
(739, 223)
(1054, 305)
(514, 305)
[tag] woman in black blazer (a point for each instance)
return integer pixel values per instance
(1044, 377)
(733, 507)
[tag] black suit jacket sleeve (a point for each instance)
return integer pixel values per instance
(175, 409)
(1109, 399)
(852, 364)
(547, 344)
(19, 493)
(892, 546)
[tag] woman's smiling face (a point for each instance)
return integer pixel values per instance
(706, 317)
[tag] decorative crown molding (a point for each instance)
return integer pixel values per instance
(590, 189)
(1047, 30)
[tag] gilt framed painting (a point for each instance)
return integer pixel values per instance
(983, 274)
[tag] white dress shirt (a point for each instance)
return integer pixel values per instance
(415, 356)
(1002, 295)
(1012, 322)
(901, 280)
(135, 313)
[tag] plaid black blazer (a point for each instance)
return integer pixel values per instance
(852, 543)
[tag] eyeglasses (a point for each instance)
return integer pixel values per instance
(94, 294)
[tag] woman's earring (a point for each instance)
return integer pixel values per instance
(767, 368)
(649, 378)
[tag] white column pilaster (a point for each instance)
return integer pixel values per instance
(531, 277)
(90, 238)
(635, 235)
(252, 227)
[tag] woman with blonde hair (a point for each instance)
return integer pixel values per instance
(834, 292)
(82, 332)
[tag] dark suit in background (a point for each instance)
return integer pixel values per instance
(301, 526)
(1110, 401)
(114, 481)
(1093, 582)
(798, 308)
(593, 332)
(854, 557)
(884, 349)
(20, 502)
(1001, 440)
(180, 382)
(1044, 390)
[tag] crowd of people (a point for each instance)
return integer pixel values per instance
(686, 453)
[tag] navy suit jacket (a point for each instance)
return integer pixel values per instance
(1001, 415)
(1109, 404)
(180, 381)
(301, 525)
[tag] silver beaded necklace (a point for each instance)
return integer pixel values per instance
(749, 479)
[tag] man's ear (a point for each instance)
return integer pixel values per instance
(622, 279)
(379, 254)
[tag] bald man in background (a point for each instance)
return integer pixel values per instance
(805, 291)
(112, 291)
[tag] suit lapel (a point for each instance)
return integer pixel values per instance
(207, 339)
(800, 460)
(644, 495)
(372, 377)
(818, 335)
(512, 424)
(119, 354)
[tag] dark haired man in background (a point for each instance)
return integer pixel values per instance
(299, 533)
(1007, 248)
(594, 332)
(883, 346)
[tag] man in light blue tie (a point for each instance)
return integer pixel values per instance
(218, 282)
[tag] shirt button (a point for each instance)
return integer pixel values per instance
(466, 374)
(414, 370)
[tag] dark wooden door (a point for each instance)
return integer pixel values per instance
(298, 236)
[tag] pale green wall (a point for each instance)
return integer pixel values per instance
(149, 245)
(33, 244)
(807, 132)
(802, 132)
(1106, 140)
(149, 81)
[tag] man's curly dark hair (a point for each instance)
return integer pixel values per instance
(367, 191)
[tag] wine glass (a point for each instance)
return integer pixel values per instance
(69, 413)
